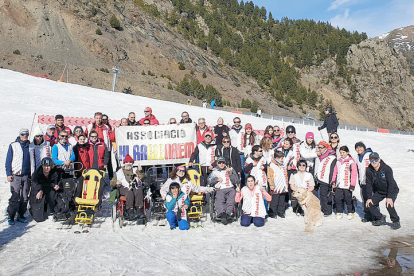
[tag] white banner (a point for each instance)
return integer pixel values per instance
(155, 145)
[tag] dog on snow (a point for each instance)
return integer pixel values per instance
(311, 206)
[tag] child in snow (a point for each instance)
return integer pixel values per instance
(253, 203)
(177, 204)
(278, 180)
(344, 179)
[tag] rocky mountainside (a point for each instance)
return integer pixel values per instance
(375, 88)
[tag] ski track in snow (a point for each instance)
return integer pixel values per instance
(281, 247)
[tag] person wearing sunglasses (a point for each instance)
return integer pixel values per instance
(344, 181)
(38, 149)
(81, 150)
(105, 135)
(128, 181)
(18, 174)
(236, 135)
(181, 176)
(50, 135)
(362, 161)
(62, 153)
(301, 179)
(77, 131)
(277, 137)
(224, 179)
(99, 154)
(291, 133)
(324, 169)
(331, 121)
(334, 142)
(381, 185)
(148, 115)
(205, 153)
(172, 121)
(60, 126)
(105, 121)
(231, 155)
(278, 182)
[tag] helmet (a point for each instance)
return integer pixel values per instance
(290, 129)
(329, 109)
(174, 185)
(47, 161)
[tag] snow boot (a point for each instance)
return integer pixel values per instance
(223, 219)
(21, 219)
(379, 222)
(396, 225)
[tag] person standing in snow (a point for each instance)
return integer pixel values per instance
(213, 103)
(81, 150)
(363, 163)
(334, 142)
(231, 155)
(381, 185)
(99, 154)
(50, 135)
(344, 181)
(60, 126)
(149, 116)
(324, 173)
(277, 137)
(251, 139)
(38, 149)
(331, 121)
(201, 130)
(307, 150)
(62, 153)
(18, 174)
(73, 140)
(279, 182)
(236, 135)
(205, 151)
(220, 131)
(300, 179)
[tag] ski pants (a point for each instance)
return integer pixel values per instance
(172, 220)
(367, 213)
(341, 196)
(225, 201)
(19, 188)
(325, 192)
(50, 198)
(277, 205)
(375, 212)
(242, 174)
(134, 197)
(246, 220)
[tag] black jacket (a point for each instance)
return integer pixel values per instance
(219, 130)
(188, 122)
(232, 157)
(331, 123)
(249, 167)
(40, 182)
(381, 181)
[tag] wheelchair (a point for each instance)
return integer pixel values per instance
(237, 209)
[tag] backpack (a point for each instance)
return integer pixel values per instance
(65, 199)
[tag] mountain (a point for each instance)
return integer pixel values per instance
(229, 51)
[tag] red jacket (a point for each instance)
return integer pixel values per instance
(98, 155)
(52, 140)
(59, 129)
(82, 155)
(152, 119)
(104, 133)
(200, 134)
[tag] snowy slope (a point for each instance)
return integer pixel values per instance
(280, 248)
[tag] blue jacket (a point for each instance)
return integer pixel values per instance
(25, 161)
(55, 151)
(360, 157)
(171, 205)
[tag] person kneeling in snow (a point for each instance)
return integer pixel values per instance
(253, 204)
(224, 179)
(177, 204)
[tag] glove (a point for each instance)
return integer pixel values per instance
(351, 189)
(319, 128)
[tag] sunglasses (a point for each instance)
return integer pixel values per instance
(222, 162)
(276, 130)
(78, 130)
(63, 136)
(24, 134)
(322, 147)
(146, 111)
(237, 122)
(226, 142)
(372, 160)
(94, 136)
(173, 122)
(290, 132)
(181, 171)
(334, 137)
(302, 165)
(38, 136)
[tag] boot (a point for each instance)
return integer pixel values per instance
(396, 225)
(379, 222)
(139, 213)
(224, 218)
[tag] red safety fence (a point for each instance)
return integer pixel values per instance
(381, 130)
(72, 121)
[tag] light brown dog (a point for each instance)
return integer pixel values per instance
(311, 206)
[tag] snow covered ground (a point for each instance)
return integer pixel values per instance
(280, 248)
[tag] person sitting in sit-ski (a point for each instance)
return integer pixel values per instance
(177, 204)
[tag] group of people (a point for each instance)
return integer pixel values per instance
(236, 163)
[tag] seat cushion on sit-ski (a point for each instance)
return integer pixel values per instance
(84, 201)
(122, 198)
(196, 197)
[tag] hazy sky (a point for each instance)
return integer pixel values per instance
(374, 17)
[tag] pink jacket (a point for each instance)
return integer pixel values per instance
(353, 168)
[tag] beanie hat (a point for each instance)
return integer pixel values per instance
(51, 127)
(309, 135)
(37, 131)
(360, 144)
(325, 144)
(148, 109)
(248, 126)
(23, 130)
(59, 117)
(128, 158)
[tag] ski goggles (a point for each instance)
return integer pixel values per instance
(24, 134)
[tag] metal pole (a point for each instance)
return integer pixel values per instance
(116, 71)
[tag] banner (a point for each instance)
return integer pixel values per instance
(155, 145)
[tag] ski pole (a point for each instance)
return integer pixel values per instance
(31, 127)
(320, 132)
